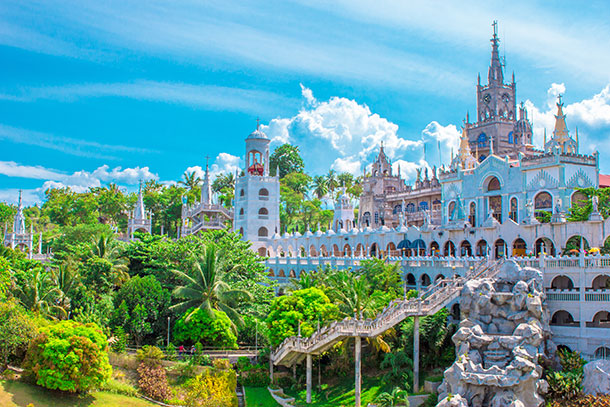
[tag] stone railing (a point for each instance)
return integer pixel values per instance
(433, 299)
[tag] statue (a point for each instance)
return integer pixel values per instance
(595, 203)
(558, 206)
(529, 206)
(418, 178)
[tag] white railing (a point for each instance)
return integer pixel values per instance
(562, 295)
(597, 295)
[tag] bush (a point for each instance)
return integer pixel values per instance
(153, 381)
(117, 387)
(571, 361)
(17, 329)
(150, 355)
(243, 363)
(564, 385)
(212, 388)
(212, 330)
(256, 377)
(222, 364)
(118, 343)
(69, 356)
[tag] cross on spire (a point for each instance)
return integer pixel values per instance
(258, 120)
(495, 26)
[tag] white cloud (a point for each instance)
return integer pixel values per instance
(12, 169)
(223, 163)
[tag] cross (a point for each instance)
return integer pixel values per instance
(207, 158)
(559, 97)
(257, 123)
(495, 26)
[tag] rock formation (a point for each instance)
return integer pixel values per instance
(503, 331)
(597, 377)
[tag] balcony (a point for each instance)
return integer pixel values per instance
(562, 295)
(597, 295)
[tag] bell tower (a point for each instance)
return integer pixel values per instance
(257, 195)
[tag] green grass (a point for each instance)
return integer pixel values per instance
(20, 394)
(259, 397)
(340, 394)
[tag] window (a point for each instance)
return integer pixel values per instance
(263, 194)
(493, 185)
(482, 140)
(423, 206)
(472, 217)
(376, 217)
(263, 211)
(513, 210)
(543, 201)
(241, 211)
(511, 138)
(411, 207)
(241, 193)
(451, 209)
(397, 209)
(579, 199)
(262, 232)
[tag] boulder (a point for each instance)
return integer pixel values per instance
(597, 377)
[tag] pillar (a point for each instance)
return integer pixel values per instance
(357, 351)
(271, 370)
(415, 354)
(308, 376)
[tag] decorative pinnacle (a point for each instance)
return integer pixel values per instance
(258, 123)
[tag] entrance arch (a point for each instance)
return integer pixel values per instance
(482, 248)
(500, 248)
(519, 248)
(544, 245)
(465, 249)
(449, 249)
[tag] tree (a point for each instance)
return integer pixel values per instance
(212, 330)
(331, 180)
(397, 397)
(288, 158)
(224, 184)
(69, 356)
(190, 180)
(206, 290)
(141, 307)
(112, 204)
(305, 307)
(36, 290)
(107, 248)
(319, 186)
(5, 278)
(17, 329)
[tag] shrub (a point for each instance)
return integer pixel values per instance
(212, 330)
(222, 364)
(256, 377)
(212, 388)
(571, 361)
(17, 329)
(69, 356)
(119, 340)
(170, 352)
(243, 363)
(153, 381)
(564, 385)
(150, 355)
(117, 387)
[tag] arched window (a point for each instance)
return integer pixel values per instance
(602, 352)
(562, 283)
(543, 201)
(241, 231)
(493, 184)
(579, 199)
(263, 211)
(472, 215)
(241, 192)
(513, 210)
(397, 209)
(510, 138)
(450, 210)
(423, 206)
(262, 232)
(482, 139)
(410, 207)
(519, 247)
(263, 194)
(562, 318)
(241, 211)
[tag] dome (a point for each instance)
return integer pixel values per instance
(308, 233)
(319, 232)
(523, 126)
(355, 231)
(384, 229)
(330, 232)
(257, 134)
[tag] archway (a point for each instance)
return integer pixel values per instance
(563, 318)
(601, 282)
(455, 311)
(573, 245)
(312, 251)
(602, 352)
(271, 273)
(323, 251)
(465, 249)
(494, 202)
(374, 251)
(292, 274)
(482, 248)
(419, 247)
(513, 210)
(449, 249)
(519, 248)
(500, 248)
(425, 280)
(562, 283)
(544, 245)
(262, 251)
(391, 249)
(434, 248)
(336, 251)
(347, 250)
(439, 277)
(601, 320)
(411, 280)
(359, 250)
(281, 274)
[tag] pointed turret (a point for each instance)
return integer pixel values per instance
(495, 75)
(464, 157)
(19, 222)
(561, 139)
(206, 188)
(139, 212)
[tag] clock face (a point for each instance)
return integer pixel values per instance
(487, 98)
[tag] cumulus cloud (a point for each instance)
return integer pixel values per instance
(223, 163)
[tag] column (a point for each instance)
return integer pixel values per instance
(271, 369)
(308, 378)
(415, 354)
(357, 351)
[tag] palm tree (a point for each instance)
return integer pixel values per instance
(39, 293)
(223, 181)
(65, 277)
(320, 186)
(191, 180)
(397, 397)
(331, 180)
(204, 289)
(106, 247)
(307, 280)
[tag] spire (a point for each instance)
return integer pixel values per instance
(495, 75)
(206, 188)
(561, 140)
(139, 212)
(464, 152)
(491, 145)
(19, 223)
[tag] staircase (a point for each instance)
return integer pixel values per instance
(294, 349)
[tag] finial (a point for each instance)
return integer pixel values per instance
(559, 103)
(495, 26)
(258, 120)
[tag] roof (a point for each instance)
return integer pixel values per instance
(604, 181)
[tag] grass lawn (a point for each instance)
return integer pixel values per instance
(340, 394)
(259, 397)
(20, 394)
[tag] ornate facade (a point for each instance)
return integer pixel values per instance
(19, 237)
(139, 218)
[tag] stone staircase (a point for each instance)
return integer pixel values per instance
(294, 349)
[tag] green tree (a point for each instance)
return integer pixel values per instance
(69, 356)
(224, 185)
(190, 180)
(204, 289)
(304, 307)
(7, 213)
(331, 180)
(397, 397)
(141, 308)
(112, 204)
(107, 248)
(36, 290)
(17, 329)
(288, 158)
(213, 329)
(5, 278)
(319, 186)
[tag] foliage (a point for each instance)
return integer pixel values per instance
(17, 329)
(5, 278)
(571, 361)
(153, 381)
(582, 211)
(141, 308)
(397, 397)
(118, 343)
(582, 401)
(255, 377)
(212, 388)
(69, 356)
(149, 355)
(543, 216)
(213, 329)
(119, 387)
(564, 385)
(306, 307)
(205, 290)
(400, 368)
(287, 157)
(36, 289)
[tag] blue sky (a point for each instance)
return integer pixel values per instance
(96, 92)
